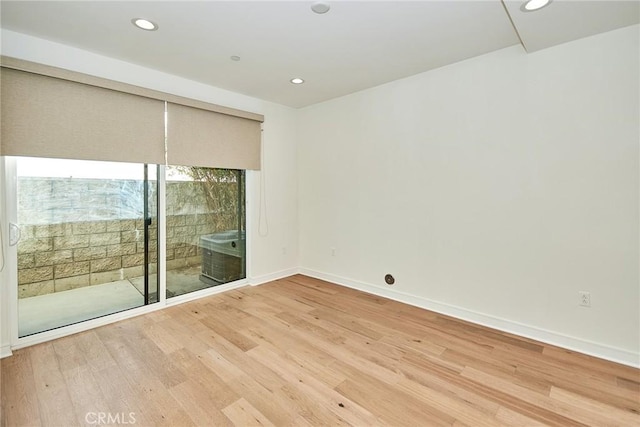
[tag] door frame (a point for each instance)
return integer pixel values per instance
(11, 253)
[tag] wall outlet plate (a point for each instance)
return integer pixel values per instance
(585, 299)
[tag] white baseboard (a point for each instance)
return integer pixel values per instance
(601, 351)
(259, 280)
(5, 351)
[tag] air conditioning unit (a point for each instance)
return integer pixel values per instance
(222, 255)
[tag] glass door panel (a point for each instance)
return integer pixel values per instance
(82, 252)
(205, 225)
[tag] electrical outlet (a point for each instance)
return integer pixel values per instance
(333, 251)
(585, 298)
(284, 250)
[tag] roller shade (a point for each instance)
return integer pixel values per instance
(53, 112)
(199, 137)
(45, 116)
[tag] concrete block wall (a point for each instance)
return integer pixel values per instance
(80, 232)
(59, 257)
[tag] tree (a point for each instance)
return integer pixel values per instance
(223, 191)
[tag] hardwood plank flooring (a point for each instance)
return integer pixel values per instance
(303, 352)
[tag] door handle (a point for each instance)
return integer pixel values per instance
(14, 234)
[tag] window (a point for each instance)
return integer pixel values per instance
(88, 240)
(205, 219)
(96, 222)
(89, 244)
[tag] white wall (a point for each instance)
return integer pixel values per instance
(493, 189)
(275, 244)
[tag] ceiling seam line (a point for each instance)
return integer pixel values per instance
(513, 25)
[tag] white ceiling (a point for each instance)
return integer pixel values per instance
(356, 45)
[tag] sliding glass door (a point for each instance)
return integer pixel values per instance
(85, 235)
(205, 223)
(87, 241)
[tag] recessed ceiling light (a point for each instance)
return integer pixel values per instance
(297, 81)
(144, 24)
(235, 58)
(320, 7)
(532, 5)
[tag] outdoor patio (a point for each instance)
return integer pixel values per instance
(50, 311)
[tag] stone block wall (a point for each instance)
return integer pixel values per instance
(183, 237)
(80, 232)
(59, 257)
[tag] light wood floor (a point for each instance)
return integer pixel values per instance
(304, 352)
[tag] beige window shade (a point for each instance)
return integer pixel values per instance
(44, 116)
(197, 137)
(53, 112)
